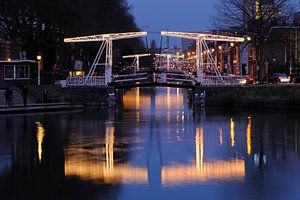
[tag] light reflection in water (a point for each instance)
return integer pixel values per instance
(221, 136)
(109, 148)
(199, 148)
(40, 139)
(219, 170)
(232, 136)
(199, 171)
(102, 164)
(93, 168)
(249, 126)
(137, 101)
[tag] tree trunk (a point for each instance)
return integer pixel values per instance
(260, 60)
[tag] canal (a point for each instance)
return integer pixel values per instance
(153, 146)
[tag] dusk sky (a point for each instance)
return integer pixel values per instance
(174, 15)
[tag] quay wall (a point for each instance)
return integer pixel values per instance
(254, 96)
(85, 96)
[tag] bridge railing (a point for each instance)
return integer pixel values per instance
(174, 78)
(131, 78)
(227, 80)
(86, 81)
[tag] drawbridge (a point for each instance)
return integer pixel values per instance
(106, 50)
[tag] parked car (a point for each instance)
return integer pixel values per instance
(247, 81)
(279, 78)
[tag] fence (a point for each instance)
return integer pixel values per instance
(86, 81)
(227, 80)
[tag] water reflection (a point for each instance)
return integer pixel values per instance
(98, 164)
(232, 132)
(249, 126)
(153, 147)
(40, 139)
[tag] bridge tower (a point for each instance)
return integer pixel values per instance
(201, 46)
(107, 45)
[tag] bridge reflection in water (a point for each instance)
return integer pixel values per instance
(99, 164)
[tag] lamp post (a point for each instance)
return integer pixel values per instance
(39, 59)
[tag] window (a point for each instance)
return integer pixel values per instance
(8, 72)
(16, 72)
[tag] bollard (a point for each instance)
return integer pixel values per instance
(199, 99)
(111, 100)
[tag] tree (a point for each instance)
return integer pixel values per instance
(254, 18)
(39, 26)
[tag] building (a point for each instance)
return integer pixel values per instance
(5, 49)
(18, 72)
(283, 50)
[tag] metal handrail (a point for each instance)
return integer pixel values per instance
(86, 81)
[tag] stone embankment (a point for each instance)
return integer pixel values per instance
(254, 96)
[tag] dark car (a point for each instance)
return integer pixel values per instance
(279, 78)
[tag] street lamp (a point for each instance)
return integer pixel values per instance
(39, 59)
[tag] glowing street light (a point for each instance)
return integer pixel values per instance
(39, 59)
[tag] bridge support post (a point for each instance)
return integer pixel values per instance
(199, 60)
(109, 62)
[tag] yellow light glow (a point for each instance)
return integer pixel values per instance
(40, 139)
(9, 59)
(130, 99)
(232, 132)
(137, 101)
(39, 58)
(199, 148)
(220, 47)
(249, 126)
(220, 170)
(232, 44)
(257, 9)
(248, 39)
(109, 148)
(79, 73)
(95, 168)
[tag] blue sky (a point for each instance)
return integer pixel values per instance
(174, 15)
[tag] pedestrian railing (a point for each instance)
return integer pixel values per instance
(130, 78)
(86, 81)
(227, 80)
(99, 81)
(178, 78)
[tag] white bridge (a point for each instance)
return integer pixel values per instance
(93, 80)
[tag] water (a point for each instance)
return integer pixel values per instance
(153, 147)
